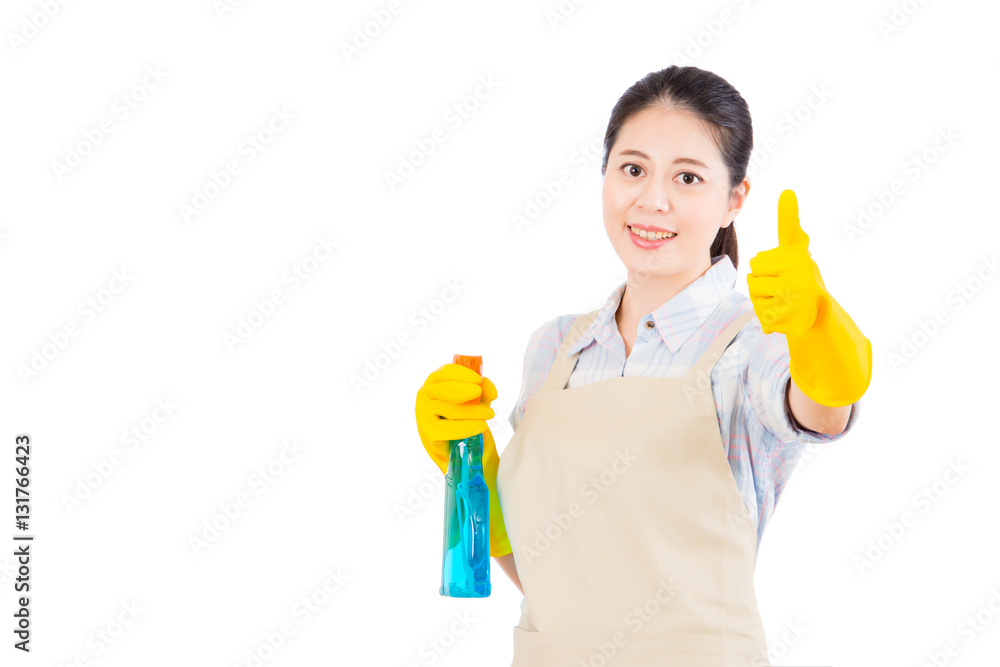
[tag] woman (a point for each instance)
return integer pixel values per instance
(653, 436)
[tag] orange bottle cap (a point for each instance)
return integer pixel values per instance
(475, 362)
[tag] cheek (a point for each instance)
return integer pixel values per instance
(697, 217)
(608, 206)
(614, 202)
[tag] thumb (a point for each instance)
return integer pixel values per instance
(789, 230)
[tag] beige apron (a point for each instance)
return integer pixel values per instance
(631, 539)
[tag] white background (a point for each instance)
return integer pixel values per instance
(336, 505)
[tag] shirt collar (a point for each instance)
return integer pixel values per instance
(677, 318)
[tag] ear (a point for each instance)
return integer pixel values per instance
(737, 200)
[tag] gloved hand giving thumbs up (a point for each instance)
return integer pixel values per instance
(830, 359)
(442, 417)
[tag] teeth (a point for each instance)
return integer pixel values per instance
(651, 236)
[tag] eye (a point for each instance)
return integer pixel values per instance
(628, 166)
(631, 164)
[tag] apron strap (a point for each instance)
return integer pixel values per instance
(703, 367)
(563, 366)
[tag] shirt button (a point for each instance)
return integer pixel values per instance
(649, 324)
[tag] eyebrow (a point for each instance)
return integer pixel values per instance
(688, 160)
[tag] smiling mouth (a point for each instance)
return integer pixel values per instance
(651, 236)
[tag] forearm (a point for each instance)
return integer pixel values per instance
(831, 363)
(815, 416)
(506, 563)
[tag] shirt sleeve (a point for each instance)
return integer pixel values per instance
(765, 382)
(780, 441)
(543, 345)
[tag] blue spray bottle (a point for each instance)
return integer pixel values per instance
(465, 572)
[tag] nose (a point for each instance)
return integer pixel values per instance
(653, 197)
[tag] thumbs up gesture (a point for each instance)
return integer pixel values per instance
(829, 358)
(784, 283)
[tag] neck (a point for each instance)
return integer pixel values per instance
(645, 293)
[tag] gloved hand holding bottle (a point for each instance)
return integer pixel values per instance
(443, 417)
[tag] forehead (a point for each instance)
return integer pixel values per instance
(663, 134)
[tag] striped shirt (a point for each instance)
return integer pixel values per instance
(759, 437)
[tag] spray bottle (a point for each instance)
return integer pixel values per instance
(465, 572)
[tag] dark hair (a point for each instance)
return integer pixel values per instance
(711, 99)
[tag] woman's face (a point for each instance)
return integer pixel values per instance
(650, 183)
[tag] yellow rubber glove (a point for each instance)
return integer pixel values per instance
(441, 418)
(830, 359)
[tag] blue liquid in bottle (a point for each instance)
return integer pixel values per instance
(466, 569)
(465, 572)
